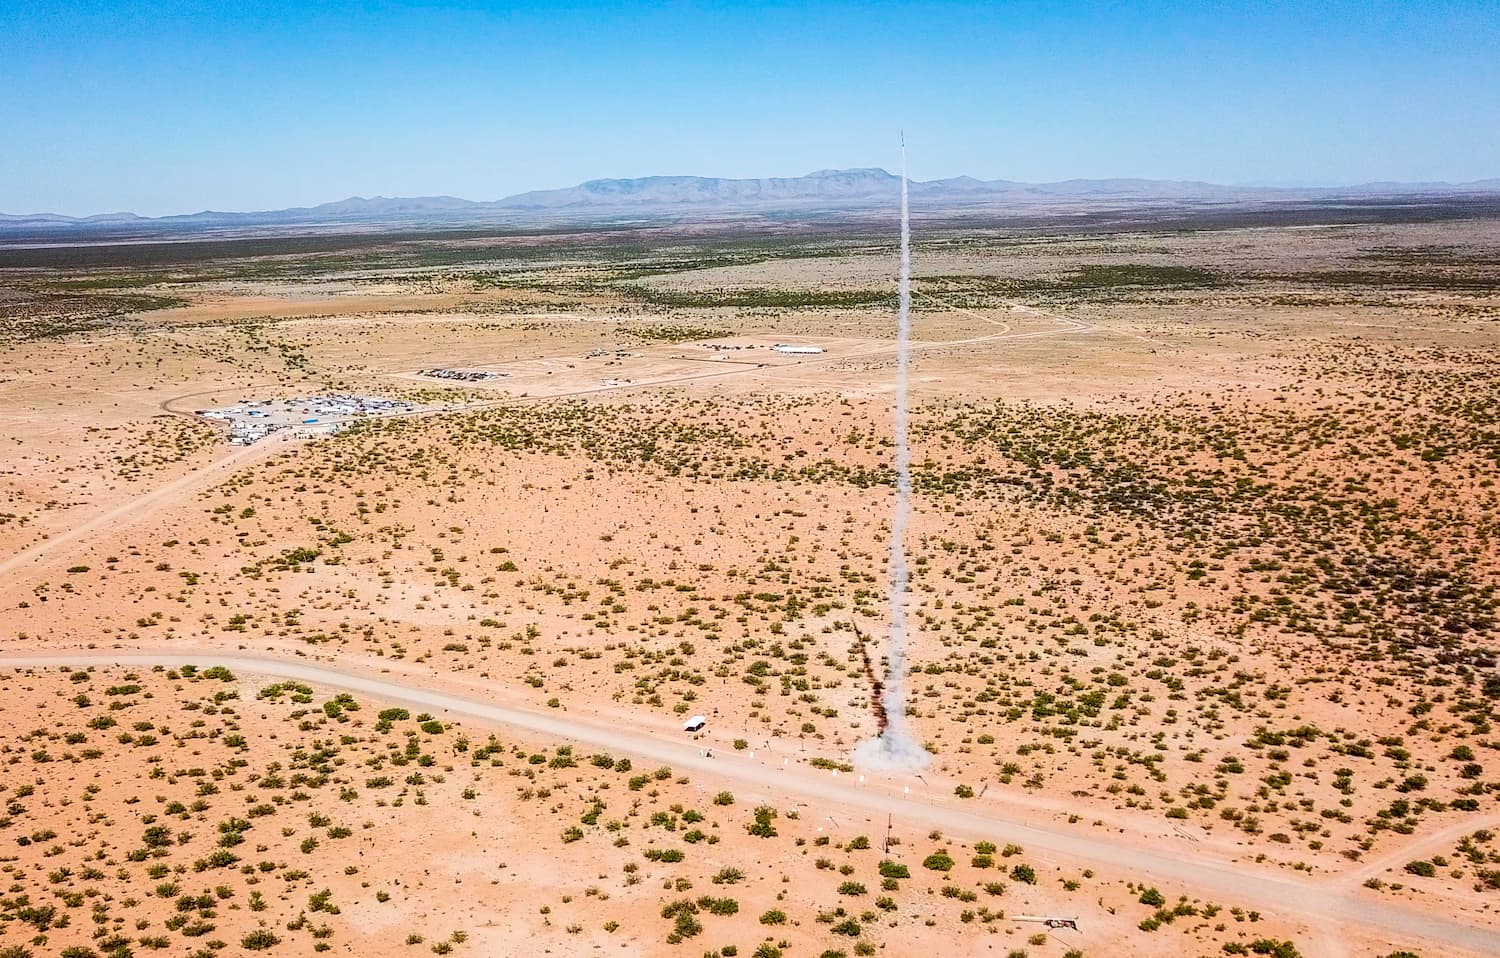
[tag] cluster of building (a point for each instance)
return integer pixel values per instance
(252, 420)
(461, 375)
(341, 404)
(245, 433)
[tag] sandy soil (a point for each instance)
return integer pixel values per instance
(1204, 599)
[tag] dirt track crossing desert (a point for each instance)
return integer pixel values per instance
(1314, 901)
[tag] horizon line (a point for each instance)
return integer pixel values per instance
(1253, 185)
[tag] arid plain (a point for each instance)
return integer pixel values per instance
(1205, 549)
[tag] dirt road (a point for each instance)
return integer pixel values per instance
(35, 556)
(1318, 902)
(132, 509)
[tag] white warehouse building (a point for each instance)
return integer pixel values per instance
(791, 350)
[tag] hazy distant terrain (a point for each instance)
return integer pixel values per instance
(674, 197)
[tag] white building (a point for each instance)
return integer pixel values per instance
(791, 350)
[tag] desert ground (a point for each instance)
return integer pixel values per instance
(1205, 554)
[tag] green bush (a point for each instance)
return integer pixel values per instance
(762, 826)
(939, 861)
(848, 927)
(258, 940)
(1274, 948)
(890, 869)
(719, 906)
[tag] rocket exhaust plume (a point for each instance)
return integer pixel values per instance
(893, 747)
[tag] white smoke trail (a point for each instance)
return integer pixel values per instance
(895, 747)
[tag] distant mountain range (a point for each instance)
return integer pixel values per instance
(675, 196)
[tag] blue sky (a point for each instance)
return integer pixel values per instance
(179, 106)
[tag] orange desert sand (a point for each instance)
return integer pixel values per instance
(1203, 606)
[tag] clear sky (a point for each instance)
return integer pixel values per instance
(176, 106)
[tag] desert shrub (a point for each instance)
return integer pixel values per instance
(762, 827)
(939, 861)
(685, 924)
(719, 906)
(322, 901)
(890, 869)
(259, 940)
